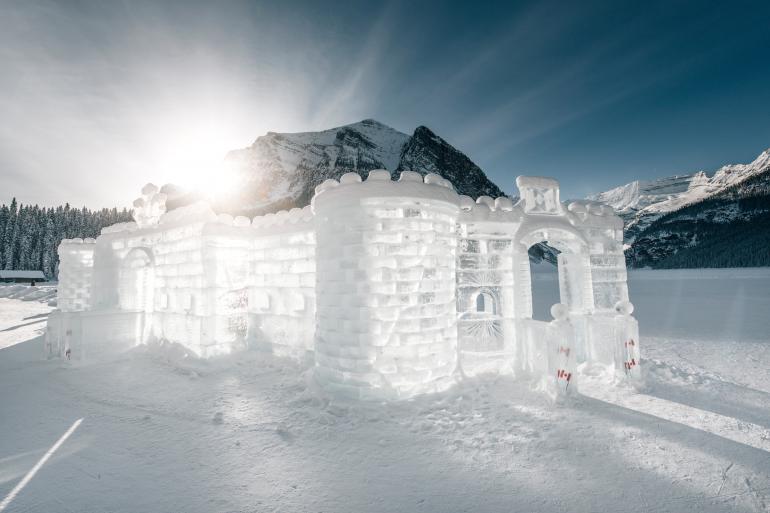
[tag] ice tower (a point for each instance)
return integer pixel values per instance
(386, 284)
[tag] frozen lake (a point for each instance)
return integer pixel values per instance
(708, 304)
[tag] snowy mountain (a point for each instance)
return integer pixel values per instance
(697, 220)
(281, 170)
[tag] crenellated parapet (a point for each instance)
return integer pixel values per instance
(410, 186)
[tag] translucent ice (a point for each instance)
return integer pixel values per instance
(391, 287)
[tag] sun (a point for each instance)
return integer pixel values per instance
(193, 157)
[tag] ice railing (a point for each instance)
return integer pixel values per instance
(550, 354)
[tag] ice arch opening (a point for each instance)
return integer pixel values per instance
(572, 266)
(544, 278)
(486, 304)
(137, 276)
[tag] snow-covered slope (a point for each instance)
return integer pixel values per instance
(687, 213)
(642, 202)
(654, 195)
(281, 170)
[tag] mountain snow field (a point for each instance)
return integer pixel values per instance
(162, 431)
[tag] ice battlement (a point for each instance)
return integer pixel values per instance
(378, 184)
(294, 218)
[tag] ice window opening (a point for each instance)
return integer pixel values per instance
(485, 304)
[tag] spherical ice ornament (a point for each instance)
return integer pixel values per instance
(559, 311)
(149, 189)
(624, 307)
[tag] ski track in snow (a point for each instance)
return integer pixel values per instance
(164, 433)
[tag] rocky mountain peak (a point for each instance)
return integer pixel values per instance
(281, 170)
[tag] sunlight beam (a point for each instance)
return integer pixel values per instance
(733, 429)
(27, 478)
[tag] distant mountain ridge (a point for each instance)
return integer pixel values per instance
(698, 220)
(691, 220)
(281, 170)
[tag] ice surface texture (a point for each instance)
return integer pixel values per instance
(393, 288)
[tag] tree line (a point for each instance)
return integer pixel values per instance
(732, 230)
(30, 234)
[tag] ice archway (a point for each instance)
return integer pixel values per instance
(136, 285)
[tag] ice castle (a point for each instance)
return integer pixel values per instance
(391, 288)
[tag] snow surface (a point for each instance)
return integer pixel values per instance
(165, 432)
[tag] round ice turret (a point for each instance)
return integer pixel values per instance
(385, 271)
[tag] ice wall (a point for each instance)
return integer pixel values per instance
(64, 328)
(282, 281)
(225, 250)
(486, 299)
(153, 276)
(386, 262)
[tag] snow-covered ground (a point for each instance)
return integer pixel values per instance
(161, 432)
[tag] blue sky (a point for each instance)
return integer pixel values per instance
(97, 98)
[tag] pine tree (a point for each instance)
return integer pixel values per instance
(8, 236)
(5, 214)
(30, 235)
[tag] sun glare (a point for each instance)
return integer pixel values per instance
(194, 158)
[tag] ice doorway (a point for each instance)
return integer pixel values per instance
(137, 276)
(571, 276)
(544, 276)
